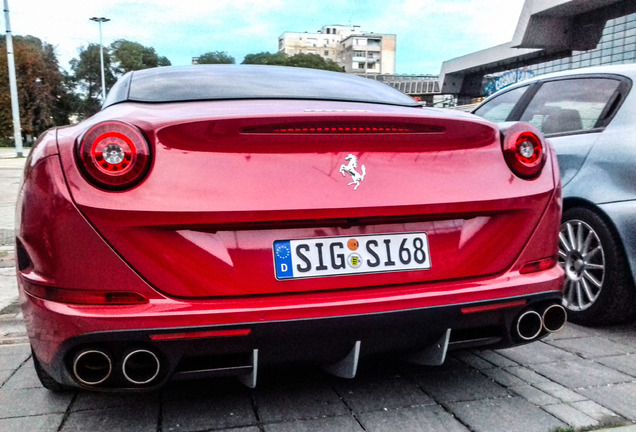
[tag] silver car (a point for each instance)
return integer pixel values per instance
(589, 116)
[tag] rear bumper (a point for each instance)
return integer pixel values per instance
(193, 339)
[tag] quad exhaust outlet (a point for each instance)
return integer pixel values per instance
(531, 324)
(93, 367)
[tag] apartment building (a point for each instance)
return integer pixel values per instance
(355, 50)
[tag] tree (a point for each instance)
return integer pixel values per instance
(313, 61)
(129, 56)
(87, 77)
(45, 97)
(266, 58)
(215, 57)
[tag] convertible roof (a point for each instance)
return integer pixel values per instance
(232, 82)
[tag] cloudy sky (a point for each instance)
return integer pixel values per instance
(428, 31)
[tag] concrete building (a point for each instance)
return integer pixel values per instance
(551, 35)
(355, 50)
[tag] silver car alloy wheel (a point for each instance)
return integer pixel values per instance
(582, 257)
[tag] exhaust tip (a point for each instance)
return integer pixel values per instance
(529, 325)
(141, 366)
(92, 367)
(554, 318)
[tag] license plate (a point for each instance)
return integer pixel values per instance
(336, 256)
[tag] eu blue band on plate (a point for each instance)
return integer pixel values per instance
(283, 259)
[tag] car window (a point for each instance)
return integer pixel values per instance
(499, 107)
(573, 105)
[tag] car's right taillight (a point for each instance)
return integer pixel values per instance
(524, 150)
(113, 155)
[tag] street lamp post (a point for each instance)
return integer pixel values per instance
(13, 86)
(101, 20)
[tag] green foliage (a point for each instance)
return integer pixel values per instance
(216, 57)
(87, 77)
(313, 61)
(265, 58)
(130, 56)
(45, 95)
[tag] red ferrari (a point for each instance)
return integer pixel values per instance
(209, 220)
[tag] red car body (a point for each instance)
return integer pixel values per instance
(176, 274)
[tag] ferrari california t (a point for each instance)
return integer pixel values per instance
(211, 219)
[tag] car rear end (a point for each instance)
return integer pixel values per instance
(250, 232)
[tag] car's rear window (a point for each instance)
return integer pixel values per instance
(227, 82)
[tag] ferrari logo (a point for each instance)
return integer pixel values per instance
(351, 170)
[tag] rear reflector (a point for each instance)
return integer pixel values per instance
(113, 155)
(85, 297)
(200, 334)
(490, 307)
(535, 266)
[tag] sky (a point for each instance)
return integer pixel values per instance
(428, 31)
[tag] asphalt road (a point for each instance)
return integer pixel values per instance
(579, 378)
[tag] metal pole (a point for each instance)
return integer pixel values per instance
(15, 108)
(100, 20)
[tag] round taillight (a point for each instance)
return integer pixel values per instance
(114, 155)
(524, 151)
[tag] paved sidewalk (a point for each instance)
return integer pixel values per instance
(577, 379)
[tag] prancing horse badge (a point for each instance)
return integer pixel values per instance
(351, 170)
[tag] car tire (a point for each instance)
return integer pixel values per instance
(47, 380)
(598, 288)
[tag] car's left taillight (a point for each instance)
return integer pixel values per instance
(524, 149)
(113, 155)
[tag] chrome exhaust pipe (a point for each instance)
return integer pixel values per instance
(529, 325)
(554, 318)
(92, 367)
(141, 366)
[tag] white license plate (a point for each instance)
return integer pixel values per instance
(335, 256)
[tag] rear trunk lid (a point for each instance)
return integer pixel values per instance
(233, 181)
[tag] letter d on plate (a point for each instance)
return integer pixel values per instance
(282, 259)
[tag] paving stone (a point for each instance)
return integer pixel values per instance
(496, 358)
(558, 391)
(329, 424)
(12, 362)
(536, 352)
(512, 414)
(87, 400)
(534, 395)
(622, 363)
(592, 347)
(41, 423)
(369, 394)
(4, 375)
(460, 385)
(473, 360)
(526, 374)
(113, 419)
(276, 404)
(573, 331)
(203, 388)
(502, 377)
(213, 412)
(571, 415)
(618, 398)
(32, 402)
(595, 411)
(418, 418)
(245, 429)
(25, 377)
(580, 373)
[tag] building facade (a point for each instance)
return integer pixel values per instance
(552, 35)
(355, 50)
